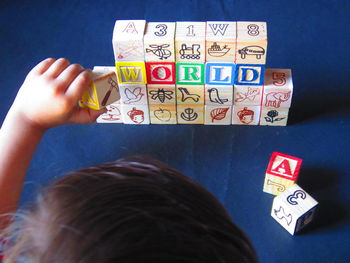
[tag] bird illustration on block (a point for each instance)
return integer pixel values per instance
(214, 96)
(133, 96)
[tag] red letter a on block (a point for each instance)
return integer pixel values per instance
(284, 165)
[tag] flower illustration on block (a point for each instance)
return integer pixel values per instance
(271, 116)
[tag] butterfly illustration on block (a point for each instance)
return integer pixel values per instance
(133, 96)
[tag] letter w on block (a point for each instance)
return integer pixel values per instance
(131, 72)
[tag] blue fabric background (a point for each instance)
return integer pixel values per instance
(310, 37)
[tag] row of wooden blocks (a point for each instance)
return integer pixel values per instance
(292, 207)
(195, 42)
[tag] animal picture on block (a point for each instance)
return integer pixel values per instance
(161, 94)
(133, 94)
(218, 95)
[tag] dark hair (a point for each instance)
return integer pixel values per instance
(128, 211)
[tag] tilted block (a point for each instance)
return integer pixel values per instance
(190, 114)
(252, 75)
(294, 209)
(274, 117)
(251, 43)
(190, 42)
(159, 42)
(219, 73)
(161, 94)
(217, 115)
(278, 88)
(133, 94)
(188, 94)
(131, 72)
(247, 95)
(246, 115)
(190, 73)
(103, 90)
(282, 172)
(135, 114)
(163, 114)
(220, 42)
(128, 40)
(220, 95)
(160, 72)
(113, 114)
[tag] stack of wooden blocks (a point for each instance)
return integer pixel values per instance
(197, 73)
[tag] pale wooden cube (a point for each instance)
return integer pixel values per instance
(294, 209)
(161, 94)
(159, 42)
(218, 95)
(163, 114)
(217, 115)
(135, 114)
(249, 74)
(220, 41)
(251, 47)
(113, 114)
(247, 95)
(278, 88)
(246, 115)
(190, 94)
(133, 94)
(190, 42)
(219, 73)
(128, 40)
(274, 117)
(103, 91)
(190, 114)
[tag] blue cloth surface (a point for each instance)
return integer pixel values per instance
(310, 37)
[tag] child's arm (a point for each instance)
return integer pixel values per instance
(47, 98)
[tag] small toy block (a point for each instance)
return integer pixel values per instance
(189, 94)
(217, 115)
(220, 41)
(282, 172)
(246, 115)
(190, 42)
(135, 114)
(128, 40)
(163, 114)
(274, 117)
(249, 74)
(251, 43)
(133, 94)
(220, 95)
(190, 74)
(103, 90)
(294, 209)
(160, 72)
(278, 88)
(131, 72)
(161, 94)
(247, 95)
(219, 73)
(159, 42)
(190, 114)
(113, 114)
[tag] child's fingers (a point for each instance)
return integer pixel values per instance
(42, 66)
(69, 75)
(77, 88)
(57, 67)
(85, 115)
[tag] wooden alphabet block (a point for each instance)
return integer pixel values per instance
(274, 117)
(220, 95)
(252, 75)
(190, 73)
(217, 115)
(246, 115)
(159, 42)
(113, 114)
(133, 94)
(135, 114)
(219, 73)
(190, 42)
(282, 172)
(294, 209)
(161, 94)
(220, 42)
(103, 90)
(190, 114)
(160, 72)
(128, 40)
(251, 43)
(163, 114)
(278, 88)
(247, 95)
(189, 94)
(131, 72)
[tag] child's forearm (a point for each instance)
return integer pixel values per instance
(18, 140)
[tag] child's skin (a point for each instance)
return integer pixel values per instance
(47, 98)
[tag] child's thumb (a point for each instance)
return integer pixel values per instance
(85, 115)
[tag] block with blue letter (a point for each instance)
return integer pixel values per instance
(247, 74)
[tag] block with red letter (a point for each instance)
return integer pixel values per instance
(294, 209)
(160, 72)
(128, 40)
(282, 172)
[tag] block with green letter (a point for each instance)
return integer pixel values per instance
(190, 73)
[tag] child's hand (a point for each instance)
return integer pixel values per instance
(50, 92)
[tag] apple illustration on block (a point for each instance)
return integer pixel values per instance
(162, 114)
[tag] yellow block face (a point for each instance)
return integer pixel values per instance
(190, 114)
(276, 185)
(90, 99)
(131, 72)
(163, 114)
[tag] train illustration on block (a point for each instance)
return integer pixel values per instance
(190, 52)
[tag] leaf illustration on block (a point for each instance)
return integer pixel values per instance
(218, 114)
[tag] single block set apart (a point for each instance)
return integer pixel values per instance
(195, 73)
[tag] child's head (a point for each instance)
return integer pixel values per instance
(129, 211)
